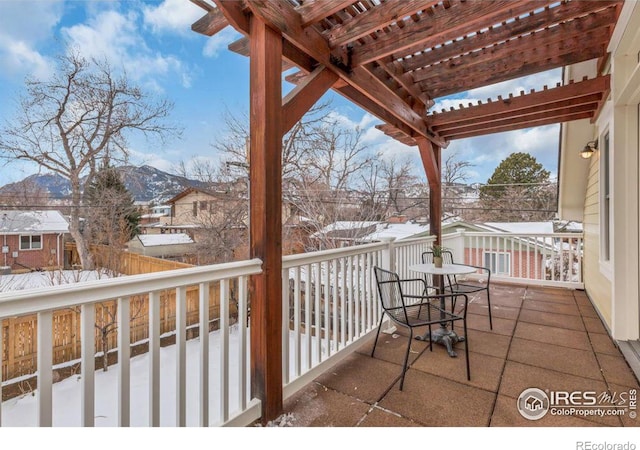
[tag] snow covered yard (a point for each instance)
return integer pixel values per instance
(33, 280)
(22, 411)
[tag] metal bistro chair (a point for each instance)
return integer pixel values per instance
(461, 288)
(412, 311)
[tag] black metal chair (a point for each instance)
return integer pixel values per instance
(412, 311)
(454, 285)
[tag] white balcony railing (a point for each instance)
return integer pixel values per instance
(213, 398)
(330, 306)
(550, 259)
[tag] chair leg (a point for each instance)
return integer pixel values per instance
(406, 358)
(489, 305)
(377, 334)
(466, 348)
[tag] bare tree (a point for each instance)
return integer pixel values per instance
(454, 177)
(79, 118)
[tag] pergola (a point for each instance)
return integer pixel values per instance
(393, 58)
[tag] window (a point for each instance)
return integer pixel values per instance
(498, 263)
(203, 205)
(195, 209)
(30, 242)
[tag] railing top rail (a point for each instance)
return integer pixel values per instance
(30, 301)
(290, 261)
(509, 234)
(405, 242)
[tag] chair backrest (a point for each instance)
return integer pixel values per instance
(447, 257)
(390, 293)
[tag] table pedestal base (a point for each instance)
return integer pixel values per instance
(443, 336)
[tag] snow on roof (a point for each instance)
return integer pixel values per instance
(523, 227)
(151, 240)
(15, 222)
(347, 225)
(396, 230)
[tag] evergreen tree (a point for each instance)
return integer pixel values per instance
(519, 190)
(113, 218)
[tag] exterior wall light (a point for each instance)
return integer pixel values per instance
(589, 149)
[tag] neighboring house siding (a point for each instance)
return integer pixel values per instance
(598, 286)
(32, 259)
(523, 264)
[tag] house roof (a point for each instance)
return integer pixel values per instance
(398, 231)
(153, 240)
(21, 222)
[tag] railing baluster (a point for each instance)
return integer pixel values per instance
(316, 305)
(88, 351)
(358, 296)
(1, 357)
(124, 363)
(326, 309)
(343, 304)
(286, 305)
(154, 359)
(242, 339)
(45, 374)
(307, 315)
(349, 289)
(334, 330)
(318, 328)
(296, 321)
(224, 349)
(203, 332)
(181, 356)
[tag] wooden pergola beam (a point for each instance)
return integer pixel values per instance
(430, 155)
(313, 11)
(265, 223)
(563, 12)
(375, 19)
(515, 104)
(280, 15)
(444, 25)
(211, 23)
(305, 95)
(496, 71)
(514, 54)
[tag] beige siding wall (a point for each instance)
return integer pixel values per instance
(598, 286)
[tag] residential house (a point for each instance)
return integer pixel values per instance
(524, 250)
(602, 190)
(32, 240)
(167, 246)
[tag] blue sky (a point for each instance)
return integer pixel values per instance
(153, 42)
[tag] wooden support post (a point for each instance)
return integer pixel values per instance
(266, 216)
(430, 155)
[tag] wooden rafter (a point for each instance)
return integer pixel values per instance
(446, 24)
(518, 27)
(281, 15)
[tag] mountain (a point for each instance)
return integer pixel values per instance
(146, 184)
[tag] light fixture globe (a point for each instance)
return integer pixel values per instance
(589, 149)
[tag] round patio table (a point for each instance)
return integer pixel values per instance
(443, 335)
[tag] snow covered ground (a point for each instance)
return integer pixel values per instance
(22, 411)
(32, 280)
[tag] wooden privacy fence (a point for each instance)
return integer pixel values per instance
(20, 333)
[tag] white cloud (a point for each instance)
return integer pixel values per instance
(115, 37)
(175, 16)
(219, 42)
(19, 38)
